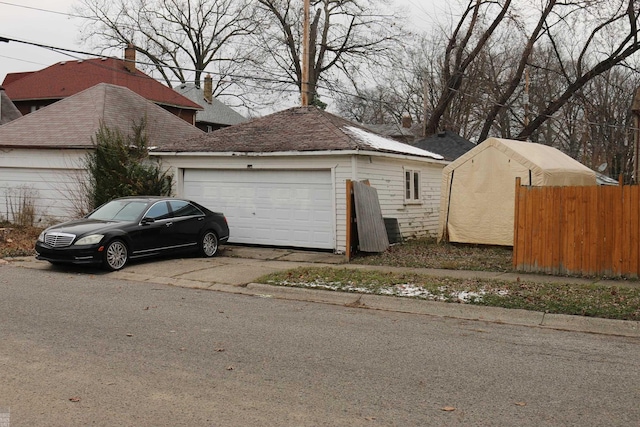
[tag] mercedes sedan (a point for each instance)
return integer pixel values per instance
(134, 227)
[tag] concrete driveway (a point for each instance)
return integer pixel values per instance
(235, 266)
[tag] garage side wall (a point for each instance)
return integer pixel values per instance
(387, 175)
(49, 180)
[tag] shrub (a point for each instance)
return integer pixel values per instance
(120, 166)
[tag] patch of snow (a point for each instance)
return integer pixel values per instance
(402, 290)
(381, 143)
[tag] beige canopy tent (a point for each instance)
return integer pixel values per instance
(478, 188)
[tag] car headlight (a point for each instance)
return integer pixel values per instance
(41, 237)
(90, 240)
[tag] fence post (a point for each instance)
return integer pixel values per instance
(516, 215)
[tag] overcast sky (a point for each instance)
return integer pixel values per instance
(37, 21)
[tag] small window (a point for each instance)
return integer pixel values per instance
(182, 208)
(412, 186)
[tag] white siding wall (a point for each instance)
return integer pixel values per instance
(52, 176)
(387, 176)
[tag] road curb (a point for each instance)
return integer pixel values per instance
(519, 317)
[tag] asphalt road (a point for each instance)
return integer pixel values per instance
(81, 349)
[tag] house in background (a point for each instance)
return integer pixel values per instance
(281, 179)
(8, 110)
(31, 91)
(448, 144)
(405, 132)
(43, 152)
(214, 114)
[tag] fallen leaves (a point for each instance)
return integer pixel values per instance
(74, 399)
(448, 409)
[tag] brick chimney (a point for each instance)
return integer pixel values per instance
(406, 121)
(208, 89)
(130, 58)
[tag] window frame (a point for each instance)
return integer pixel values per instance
(412, 178)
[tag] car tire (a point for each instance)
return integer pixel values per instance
(116, 255)
(209, 244)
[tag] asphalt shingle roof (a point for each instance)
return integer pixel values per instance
(448, 144)
(296, 129)
(64, 79)
(74, 121)
(216, 112)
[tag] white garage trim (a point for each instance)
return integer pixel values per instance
(269, 207)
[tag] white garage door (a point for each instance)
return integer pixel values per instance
(280, 208)
(55, 193)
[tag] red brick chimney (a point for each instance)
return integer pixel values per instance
(208, 89)
(130, 58)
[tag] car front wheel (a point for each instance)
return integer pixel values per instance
(115, 255)
(209, 244)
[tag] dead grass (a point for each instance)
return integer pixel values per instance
(590, 300)
(427, 253)
(17, 240)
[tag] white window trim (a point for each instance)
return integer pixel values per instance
(415, 193)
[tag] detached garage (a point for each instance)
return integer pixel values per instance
(281, 179)
(43, 152)
(478, 188)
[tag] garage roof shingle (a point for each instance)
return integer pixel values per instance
(295, 129)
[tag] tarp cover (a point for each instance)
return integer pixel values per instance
(478, 188)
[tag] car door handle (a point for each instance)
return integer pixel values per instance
(169, 224)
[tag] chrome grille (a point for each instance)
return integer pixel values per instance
(59, 240)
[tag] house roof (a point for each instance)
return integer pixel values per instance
(392, 131)
(74, 121)
(296, 129)
(8, 111)
(67, 78)
(215, 112)
(448, 144)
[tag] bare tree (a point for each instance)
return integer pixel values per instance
(181, 38)
(585, 37)
(611, 37)
(465, 44)
(346, 36)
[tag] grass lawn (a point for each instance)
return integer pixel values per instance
(618, 302)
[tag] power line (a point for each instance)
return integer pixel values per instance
(69, 52)
(22, 6)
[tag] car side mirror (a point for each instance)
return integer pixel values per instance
(147, 220)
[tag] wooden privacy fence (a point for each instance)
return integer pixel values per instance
(591, 230)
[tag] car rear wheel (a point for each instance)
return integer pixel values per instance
(209, 244)
(115, 255)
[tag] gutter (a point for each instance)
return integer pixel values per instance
(355, 152)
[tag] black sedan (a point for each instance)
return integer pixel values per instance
(134, 227)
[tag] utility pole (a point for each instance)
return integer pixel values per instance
(526, 97)
(304, 86)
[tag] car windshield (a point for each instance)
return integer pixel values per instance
(119, 210)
